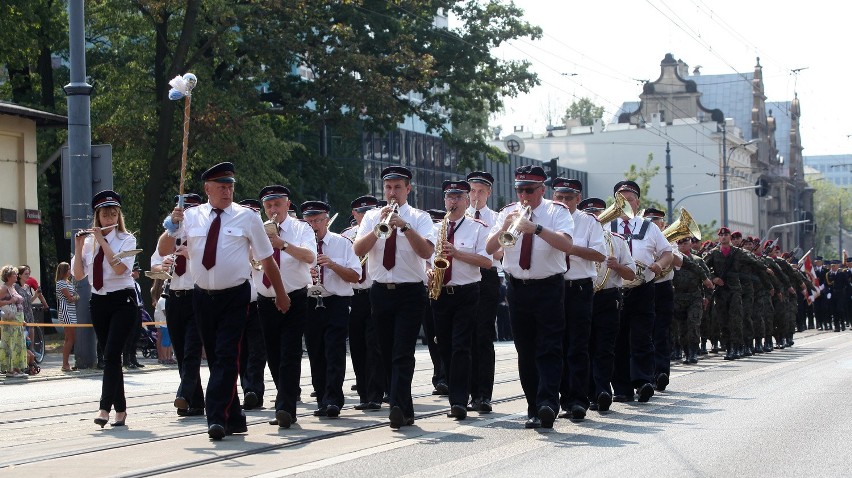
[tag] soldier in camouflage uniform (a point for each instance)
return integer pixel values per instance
(727, 262)
(746, 281)
(709, 327)
(765, 285)
(786, 321)
(689, 300)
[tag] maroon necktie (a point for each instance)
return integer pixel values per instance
(568, 261)
(321, 269)
(389, 258)
(526, 252)
(448, 274)
(180, 265)
(476, 215)
(276, 254)
(98, 270)
(628, 235)
(208, 260)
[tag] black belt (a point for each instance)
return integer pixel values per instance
(608, 291)
(518, 282)
(361, 291)
(452, 289)
(578, 282)
(397, 285)
(297, 292)
(221, 291)
(180, 293)
(488, 270)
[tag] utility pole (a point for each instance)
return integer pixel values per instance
(839, 230)
(669, 188)
(80, 184)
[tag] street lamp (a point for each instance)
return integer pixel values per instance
(725, 179)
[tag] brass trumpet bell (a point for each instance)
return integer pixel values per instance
(684, 227)
(619, 207)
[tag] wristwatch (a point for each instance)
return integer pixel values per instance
(538, 229)
(405, 228)
(284, 247)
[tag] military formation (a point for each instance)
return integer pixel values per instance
(602, 299)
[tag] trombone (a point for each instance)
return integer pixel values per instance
(509, 237)
(383, 229)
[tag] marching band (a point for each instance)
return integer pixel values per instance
(601, 299)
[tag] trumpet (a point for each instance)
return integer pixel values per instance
(510, 236)
(383, 229)
(270, 227)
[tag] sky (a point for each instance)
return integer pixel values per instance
(602, 50)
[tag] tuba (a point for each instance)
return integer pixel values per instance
(684, 227)
(383, 229)
(510, 236)
(619, 207)
(441, 262)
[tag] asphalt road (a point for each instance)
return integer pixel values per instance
(786, 413)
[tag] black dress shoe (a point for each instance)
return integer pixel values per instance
(368, 406)
(231, 429)
(283, 419)
(181, 403)
(485, 405)
(578, 412)
(662, 381)
(473, 406)
(604, 401)
(138, 365)
(593, 406)
(547, 416)
(386, 398)
(250, 401)
(216, 432)
(623, 398)
(130, 366)
(354, 387)
(645, 392)
(190, 412)
(441, 389)
(314, 394)
(533, 422)
(332, 411)
(458, 412)
(320, 412)
(100, 365)
(396, 418)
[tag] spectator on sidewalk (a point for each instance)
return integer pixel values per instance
(66, 305)
(13, 352)
(164, 342)
(33, 283)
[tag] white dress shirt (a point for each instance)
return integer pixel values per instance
(294, 273)
(408, 266)
(587, 233)
(118, 241)
(339, 250)
(621, 252)
(546, 259)
(241, 231)
(470, 235)
(647, 249)
(489, 217)
(351, 233)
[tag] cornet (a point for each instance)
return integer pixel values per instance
(510, 236)
(383, 229)
(270, 227)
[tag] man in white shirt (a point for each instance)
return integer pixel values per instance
(220, 236)
(534, 261)
(328, 309)
(586, 250)
(363, 341)
(634, 348)
(463, 249)
(294, 246)
(482, 349)
(398, 294)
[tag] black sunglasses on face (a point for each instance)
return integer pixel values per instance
(528, 190)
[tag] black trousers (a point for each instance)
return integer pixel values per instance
(538, 323)
(325, 339)
(663, 314)
(482, 352)
(364, 349)
(634, 346)
(186, 341)
(114, 315)
(606, 310)
(283, 336)
(222, 317)
(132, 339)
(574, 387)
(454, 313)
(438, 369)
(252, 354)
(398, 313)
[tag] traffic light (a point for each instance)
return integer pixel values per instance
(808, 216)
(553, 168)
(761, 187)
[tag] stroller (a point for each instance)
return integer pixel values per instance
(147, 343)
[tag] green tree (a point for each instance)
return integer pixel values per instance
(830, 203)
(585, 110)
(643, 176)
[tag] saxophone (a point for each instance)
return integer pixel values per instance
(441, 263)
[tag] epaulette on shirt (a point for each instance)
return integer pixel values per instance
(348, 228)
(560, 204)
(590, 214)
(480, 221)
(508, 205)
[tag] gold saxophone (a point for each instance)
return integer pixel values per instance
(441, 263)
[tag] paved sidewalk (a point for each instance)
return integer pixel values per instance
(51, 369)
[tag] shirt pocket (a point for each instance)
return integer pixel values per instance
(465, 246)
(231, 236)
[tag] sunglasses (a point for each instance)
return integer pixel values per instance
(527, 190)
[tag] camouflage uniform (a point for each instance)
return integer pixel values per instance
(766, 301)
(688, 304)
(784, 336)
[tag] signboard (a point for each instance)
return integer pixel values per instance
(32, 216)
